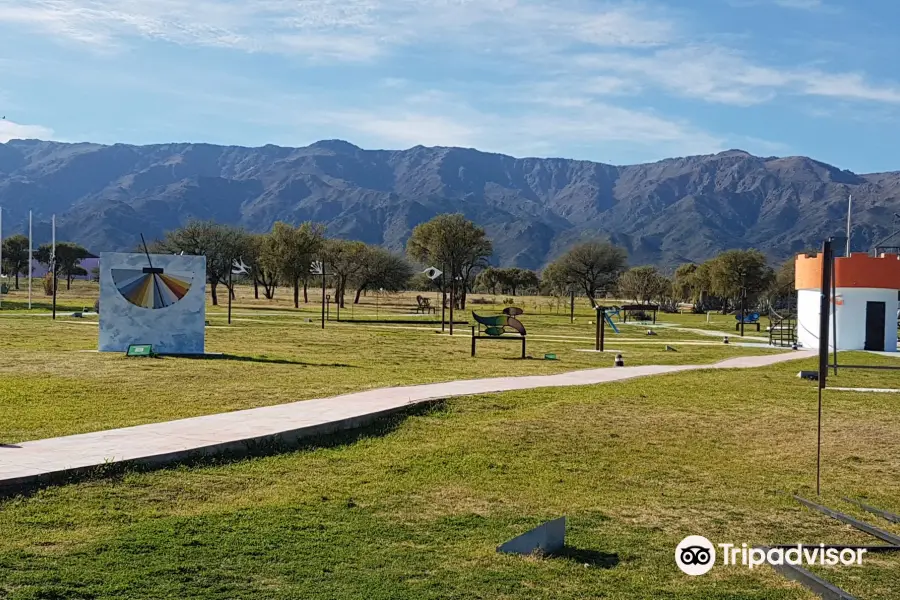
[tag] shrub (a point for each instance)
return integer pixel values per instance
(47, 281)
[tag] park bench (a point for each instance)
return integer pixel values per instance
(748, 319)
(423, 305)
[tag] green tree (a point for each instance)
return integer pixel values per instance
(783, 282)
(736, 271)
(592, 267)
(15, 256)
(455, 245)
(643, 284)
(381, 269)
(513, 279)
(261, 259)
(220, 244)
(685, 282)
(292, 251)
(346, 261)
(488, 280)
(68, 257)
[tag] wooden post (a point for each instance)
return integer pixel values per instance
(572, 307)
(523, 347)
(601, 327)
(602, 330)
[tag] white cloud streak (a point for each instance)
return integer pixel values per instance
(15, 131)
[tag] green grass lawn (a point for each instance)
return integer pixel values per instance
(414, 507)
(51, 384)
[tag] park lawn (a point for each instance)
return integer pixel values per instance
(415, 506)
(52, 384)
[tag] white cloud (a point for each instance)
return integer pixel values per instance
(809, 5)
(337, 29)
(716, 74)
(448, 120)
(800, 4)
(15, 131)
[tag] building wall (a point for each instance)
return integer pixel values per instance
(179, 328)
(851, 318)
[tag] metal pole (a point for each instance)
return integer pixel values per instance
(834, 314)
(849, 206)
(1, 257)
(572, 307)
(443, 296)
(597, 334)
(743, 308)
(452, 299)
(230, 291)
(30, 254)
(323, 295)
(53, 261)
(824, 306)
(602, 330)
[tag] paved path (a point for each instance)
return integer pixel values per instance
(51, 460)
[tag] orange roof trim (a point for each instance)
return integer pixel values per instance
(859, 270)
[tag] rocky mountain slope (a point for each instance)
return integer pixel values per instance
(682, 209)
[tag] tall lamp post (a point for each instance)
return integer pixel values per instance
(433, 273)
(53, 262)
(1, 256)
(237, 268)
(318, 268)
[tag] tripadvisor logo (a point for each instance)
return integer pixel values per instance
(696, 555)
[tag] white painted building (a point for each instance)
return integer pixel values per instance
(865, 302)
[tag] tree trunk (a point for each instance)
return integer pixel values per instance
(256, 288)
(68, 281)
(297, 293)
(358, 293)
(342, 285)
(305, 292)
(215, 296)
(17, 280)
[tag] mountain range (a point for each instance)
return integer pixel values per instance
(665, 213)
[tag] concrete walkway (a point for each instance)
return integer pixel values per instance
(53, 460)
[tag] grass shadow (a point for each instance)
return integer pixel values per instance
(380, 426)
(260, 359)
(592, 558)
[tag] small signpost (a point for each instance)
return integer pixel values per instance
(139, 350)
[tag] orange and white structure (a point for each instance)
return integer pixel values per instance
(865, 301)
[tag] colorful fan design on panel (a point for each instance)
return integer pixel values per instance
(151, 288)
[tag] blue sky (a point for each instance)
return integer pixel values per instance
(616, 81)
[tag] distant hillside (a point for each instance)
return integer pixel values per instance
(665, 213)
